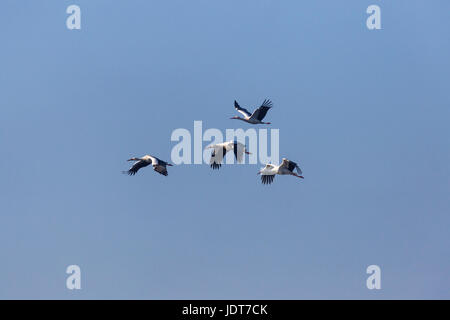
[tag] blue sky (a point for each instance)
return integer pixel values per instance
(364, 113)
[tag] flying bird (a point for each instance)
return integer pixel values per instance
(257, 116)
(158, 165)
(286, 167)
(220, 149)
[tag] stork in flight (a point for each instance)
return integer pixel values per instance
(220, 149)
(158, 165)
(286, 167)
(257, 116)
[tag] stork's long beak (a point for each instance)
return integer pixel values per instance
(248, 152)
(170, 165)
(133, 159)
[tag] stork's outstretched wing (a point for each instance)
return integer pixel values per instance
(291, 165)
(135, 168)
(261, 112)
(267, 179)
(242, 111)
(217, 156)
(161, 169)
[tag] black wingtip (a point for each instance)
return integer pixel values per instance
(267, 103)
(267, 179)
(215, 166)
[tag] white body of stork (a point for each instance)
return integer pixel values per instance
(257, 116)
(220, 149)
(286, 167)
(158, 165)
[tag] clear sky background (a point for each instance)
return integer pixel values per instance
(365, 114)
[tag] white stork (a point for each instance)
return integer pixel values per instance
(158, 165)
(220, 149)
(257, 116)
(286, 167)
